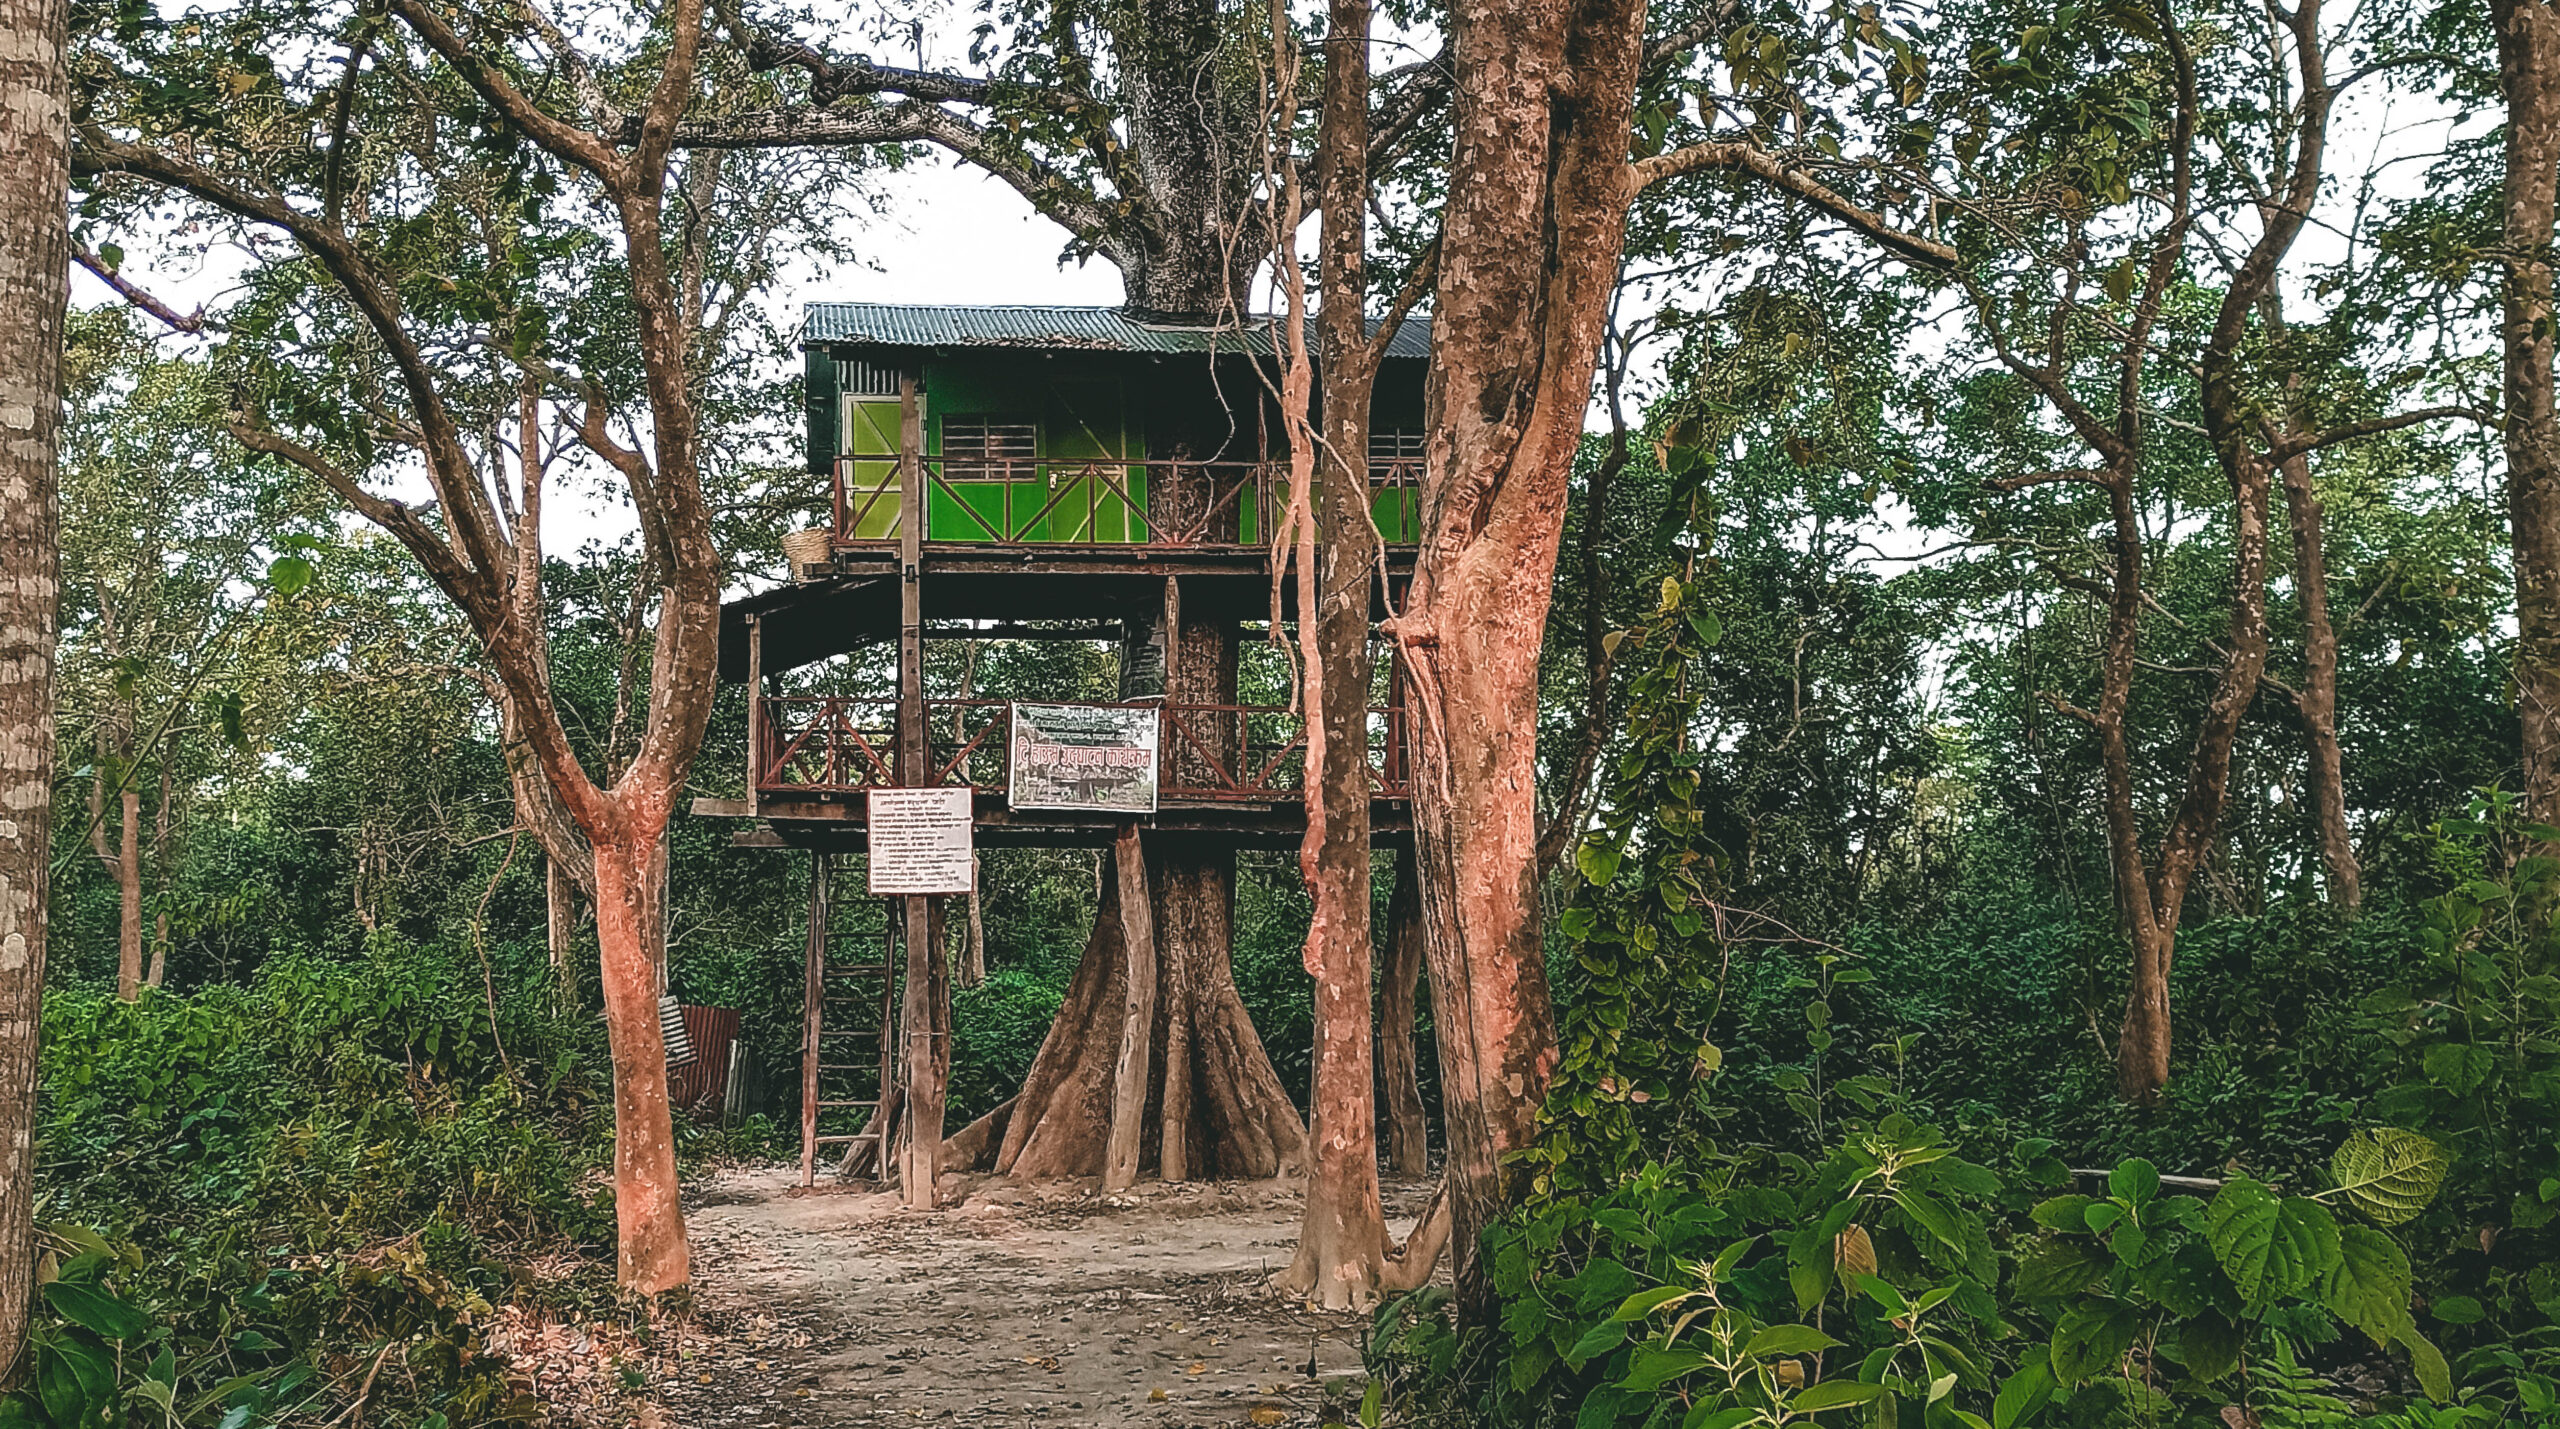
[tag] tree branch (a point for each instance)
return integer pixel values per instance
(1735, 156)
(193, 323)
(2307, 442)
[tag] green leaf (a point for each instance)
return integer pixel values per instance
(2306, 1247)
(2212, 1345)
(96, 1310)
(1779, 1341)
(1597, 862)
(1645, 1302)
(2091, 1339)
(1707, 1416)
(2427, 1363)
(2063, 1213)
(2022, 1394)
(2388, 1174)
(1599, 1340)
(1710, 630)
(74, 1375)
(289, 574)
(2058, 1267)
(2458, 1067)
(1655, 1368)
(2458, 1310)
(2241, 1227)
(1834, 1394)
(1876, 1289)
(2369, 1289)
(1373, 1404)
(2134, 1181)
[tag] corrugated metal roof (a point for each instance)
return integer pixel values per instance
(1081, 329)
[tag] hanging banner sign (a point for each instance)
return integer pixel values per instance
(921, 841)
(1097, 757)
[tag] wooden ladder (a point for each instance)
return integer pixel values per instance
(848, 1062)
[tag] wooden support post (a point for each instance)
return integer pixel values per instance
(813, 1001)
(1138, 1014)
(927, 1018)
(755, 715)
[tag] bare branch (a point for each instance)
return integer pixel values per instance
(2307, 442)
(1736, 156)
(135, 295)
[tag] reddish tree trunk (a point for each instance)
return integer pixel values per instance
(1342, 1259)
(1530, 241)
(647, 1209)
(2529, 75)
(35, 153)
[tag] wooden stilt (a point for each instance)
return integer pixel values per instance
(813, 1002)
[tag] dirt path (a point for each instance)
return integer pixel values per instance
(1047, 1304)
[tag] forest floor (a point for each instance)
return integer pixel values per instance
(1045, 1304)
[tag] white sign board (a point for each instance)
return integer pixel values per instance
(1085, 757)
(921, 840)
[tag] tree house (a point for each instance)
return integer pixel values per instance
(1010, 473)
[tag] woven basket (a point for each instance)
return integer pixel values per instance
(806, 553)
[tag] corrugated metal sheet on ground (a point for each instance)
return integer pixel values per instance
(1086, 329)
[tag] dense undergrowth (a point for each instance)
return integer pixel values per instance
(1883, 1181)
(267, 1201)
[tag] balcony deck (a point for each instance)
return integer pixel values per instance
(1229, 770)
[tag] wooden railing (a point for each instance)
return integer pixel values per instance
(814, 744)
(1053, 501)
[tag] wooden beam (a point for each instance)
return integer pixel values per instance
(1138, 1013)
(755, 715)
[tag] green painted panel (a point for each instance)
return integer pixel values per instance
(871, 439)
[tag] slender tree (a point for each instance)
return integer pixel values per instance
(481, 545)
(34, 278)
(2529, 76)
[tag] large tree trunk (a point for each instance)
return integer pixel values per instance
(1399, 1069)
(1530, 242)
(653, 1254)
(1240, 1123)
(1192, 149)
(35, 153)
(2529, 74)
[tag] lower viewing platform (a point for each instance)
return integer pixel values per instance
(1228, 770)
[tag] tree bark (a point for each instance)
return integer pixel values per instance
(34, 279)
(1241, 1124)
(1343, 1258)
(2529, 76)
(653, 1256)
(1137, 1014)
(2318, 698)
(129, 892)
(1531, 236)
(1408, 1140)
(560, 928)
